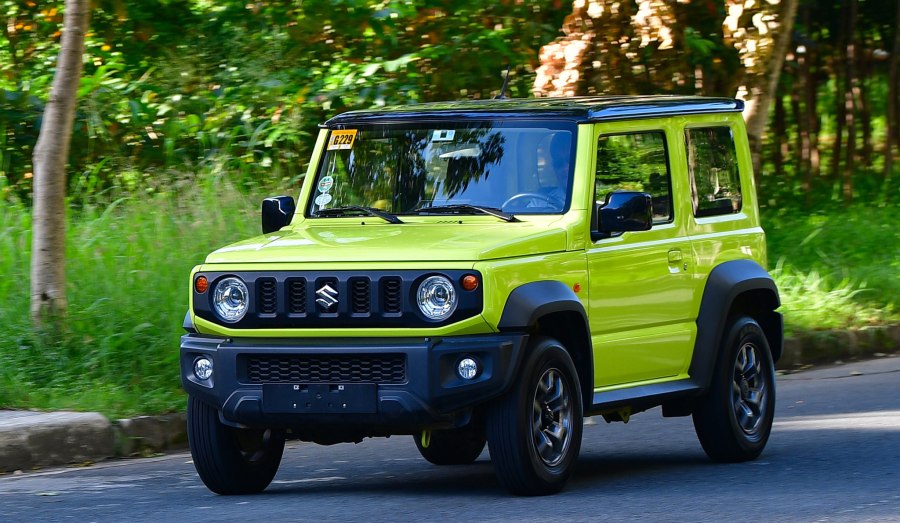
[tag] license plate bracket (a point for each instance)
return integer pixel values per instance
(320, 398)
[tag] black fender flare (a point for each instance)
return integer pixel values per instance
(725, 285)
(530, 302)
(188, 323)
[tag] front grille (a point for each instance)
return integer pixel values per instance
(390, 295)
(359, 295)
(336, 299)
(338, 368)
(268, 299)
(296, 295)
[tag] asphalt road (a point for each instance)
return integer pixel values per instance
(834, 455)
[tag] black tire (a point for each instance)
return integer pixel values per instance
(734, 419)
(230, 460)
(529, 459)
(452, 447)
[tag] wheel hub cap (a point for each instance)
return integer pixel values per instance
(750, 389)
(552, 417)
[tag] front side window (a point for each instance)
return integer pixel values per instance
(712, 162)
(513, 167)
(635, 162)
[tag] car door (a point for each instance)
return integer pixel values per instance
(641, 288)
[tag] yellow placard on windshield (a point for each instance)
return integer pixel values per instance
(341, 139)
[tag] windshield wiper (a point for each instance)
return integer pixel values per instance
(350, 209)
(462, 207)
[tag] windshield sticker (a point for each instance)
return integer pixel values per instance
(326, 183)
(323, 199)
(443, 135)
(341, 140)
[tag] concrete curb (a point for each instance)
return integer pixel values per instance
(30, 440)
(41, 439)
(815, 347)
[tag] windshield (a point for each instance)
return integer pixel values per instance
(510, 166)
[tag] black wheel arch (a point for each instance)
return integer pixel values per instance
(734, 287)
(551, 308)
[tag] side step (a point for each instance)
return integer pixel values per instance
(643, 397)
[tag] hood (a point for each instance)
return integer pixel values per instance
(395, 242)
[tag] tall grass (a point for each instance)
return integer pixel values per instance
(127, 266)
(838, 268)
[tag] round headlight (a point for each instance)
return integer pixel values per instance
(437, 298)
(230, 299)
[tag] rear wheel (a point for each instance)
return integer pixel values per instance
(230, 460)
(734, 418)
(452, 447)
(534, 432)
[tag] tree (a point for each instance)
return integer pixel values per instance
(48, 278)
(761, 31)
(736, 47)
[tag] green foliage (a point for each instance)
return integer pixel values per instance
(177, 84)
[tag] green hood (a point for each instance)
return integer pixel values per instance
(402, 242)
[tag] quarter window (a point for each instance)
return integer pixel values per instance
(712, 162)
(635, 162)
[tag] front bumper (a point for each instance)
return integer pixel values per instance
(268, 383)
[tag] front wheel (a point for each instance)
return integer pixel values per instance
(534, 432)
(734, 418)
(230, 460)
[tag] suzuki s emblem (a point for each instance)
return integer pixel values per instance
(327, 298)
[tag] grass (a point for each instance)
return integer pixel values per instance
(837, 269)
(128, 259)
(127, 271)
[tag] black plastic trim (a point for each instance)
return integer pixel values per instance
(578, 109)
(188, 323)
(644, 396)
(528, 302)
(725, 283)
(432, 393)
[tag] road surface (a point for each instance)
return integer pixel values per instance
(834, 455)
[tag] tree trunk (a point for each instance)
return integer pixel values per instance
(761, 83)
(892, 109)
(779, 144)
(851, 86)
(48, 279)
(840, 64)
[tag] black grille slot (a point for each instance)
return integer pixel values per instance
(338, 368)
(390, 295)
(267, 298)
(360, 295)
(296, 296)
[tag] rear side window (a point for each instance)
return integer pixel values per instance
(635, 162)
(712, 162)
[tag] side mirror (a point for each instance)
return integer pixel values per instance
(277, 212)
(625, 211)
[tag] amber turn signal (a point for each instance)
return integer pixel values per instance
(201, 284)
(469, 282)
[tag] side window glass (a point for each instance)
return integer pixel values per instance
(712, 162)
(635, 162)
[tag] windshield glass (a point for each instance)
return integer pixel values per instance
(512, 166)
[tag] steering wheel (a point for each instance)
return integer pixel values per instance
(530, 196)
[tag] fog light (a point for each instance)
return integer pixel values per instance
(203, 368)
(467, 368)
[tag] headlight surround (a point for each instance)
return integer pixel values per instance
(437, 298)
(231, 299)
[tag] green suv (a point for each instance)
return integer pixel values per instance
(491, 272)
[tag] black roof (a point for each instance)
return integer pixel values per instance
(579, 109)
